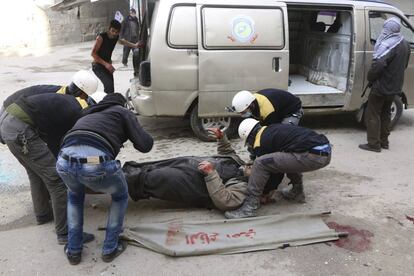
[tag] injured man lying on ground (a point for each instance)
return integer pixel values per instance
(211, 181)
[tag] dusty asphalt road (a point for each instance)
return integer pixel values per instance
(368, 193)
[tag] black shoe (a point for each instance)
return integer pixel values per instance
(385, 146)
(370, 148)
(74, 258)
(292, 195)
(248, 209)
(44, 219)
(122, 245)
(63, 239)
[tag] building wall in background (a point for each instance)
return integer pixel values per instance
(30, 28)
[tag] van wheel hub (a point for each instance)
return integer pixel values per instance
(222, 123)
(200, 125)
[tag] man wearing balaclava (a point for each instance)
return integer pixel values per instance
(386, 75)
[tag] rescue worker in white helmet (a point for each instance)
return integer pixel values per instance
(280, 148)
(269, 106)
(33, 122)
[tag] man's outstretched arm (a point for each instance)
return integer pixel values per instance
(223, 144)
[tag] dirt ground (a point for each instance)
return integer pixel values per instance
(369, 195)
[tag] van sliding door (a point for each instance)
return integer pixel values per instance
(240, 48)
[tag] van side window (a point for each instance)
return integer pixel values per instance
(325, 21)
(376, 22)
(182, 32)
(234, 28)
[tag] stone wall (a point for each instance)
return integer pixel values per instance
(30, 28)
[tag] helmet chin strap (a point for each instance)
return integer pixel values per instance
(252, 136)
(254, 108)
(73, 90)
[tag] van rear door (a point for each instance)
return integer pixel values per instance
(241, 47)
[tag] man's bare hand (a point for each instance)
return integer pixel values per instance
(215, 132)
(139, 44)
(206, 167)
(109, 67)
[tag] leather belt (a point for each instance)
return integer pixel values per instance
(87, 160)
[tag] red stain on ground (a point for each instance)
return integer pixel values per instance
(357, 240)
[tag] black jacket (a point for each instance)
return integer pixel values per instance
(29, 91)
(115, 123)
(387, 73)
(126, 32)
(286, 138)
(179, 179)
(52, 114)
(279, 105)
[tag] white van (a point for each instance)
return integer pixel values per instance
(199, 53)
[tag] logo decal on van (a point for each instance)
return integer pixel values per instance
(243, 29)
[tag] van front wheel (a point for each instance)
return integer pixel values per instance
(200, 125)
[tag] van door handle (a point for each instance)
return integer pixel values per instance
(192, 52)
(276, 64)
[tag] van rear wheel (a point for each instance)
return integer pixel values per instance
(200, 125)
(397, 108)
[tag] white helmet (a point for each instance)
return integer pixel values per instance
(246, 126)
(242, 100)
(98, 96)
(85, 81)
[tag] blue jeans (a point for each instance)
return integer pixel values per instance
(106, 177)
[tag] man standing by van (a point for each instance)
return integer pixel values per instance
(390, 58)
(129, 32)
(102, 54)
(269, 106)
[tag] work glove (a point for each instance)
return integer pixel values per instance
(206, 167)
(252, 155)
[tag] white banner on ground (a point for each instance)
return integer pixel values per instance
(188, 238)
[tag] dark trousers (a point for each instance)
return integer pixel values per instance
(39, 162)
(125, 54)
(293, 164)
(106, 77)
(127, 49)
(378, 119)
